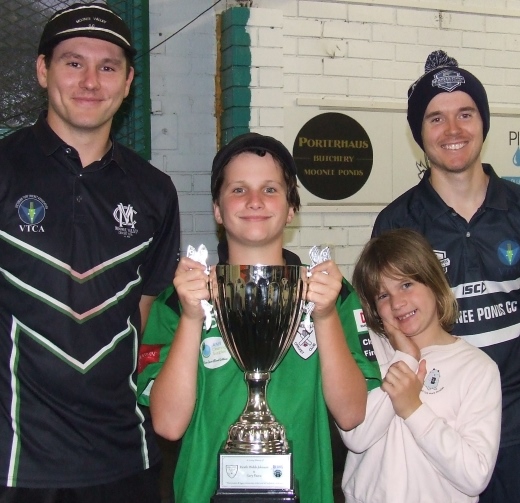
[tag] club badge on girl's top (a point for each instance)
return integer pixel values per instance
(201, 255)
(317, 255)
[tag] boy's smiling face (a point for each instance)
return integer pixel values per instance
(253, 206)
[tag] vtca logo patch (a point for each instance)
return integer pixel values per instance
(31, 210)
(509, 252)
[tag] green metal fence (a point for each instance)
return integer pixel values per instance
(21, 98)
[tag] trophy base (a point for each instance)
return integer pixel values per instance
(255, 478)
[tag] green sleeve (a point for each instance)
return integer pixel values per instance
(157, 339)
(356, 333)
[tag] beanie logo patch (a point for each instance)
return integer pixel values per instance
(448, 80)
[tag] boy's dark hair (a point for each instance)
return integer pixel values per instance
(402, 253)
(258, 144)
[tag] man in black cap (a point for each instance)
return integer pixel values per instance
(89, 236)
(471, 218)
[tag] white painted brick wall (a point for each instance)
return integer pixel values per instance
(502, 25)
(347, 30)
(312, 49)
(372, 14)
(183, 81)
(328, 10)
(270, 18)
(463, 22)
(420, 19)
(428, 38)
(302, 27)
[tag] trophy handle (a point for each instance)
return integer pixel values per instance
(257, 430)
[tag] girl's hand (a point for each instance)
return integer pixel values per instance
(399, 341)
(404, 387)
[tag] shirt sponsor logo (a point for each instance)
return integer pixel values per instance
(361, 323)
(448, 80)
(31, 210)
(443, 259)
(305, 341)
(124, 216)
(366, 346)
(473, 289)
(488, 312)
(508, 252)
(148, 353)
(214, 352)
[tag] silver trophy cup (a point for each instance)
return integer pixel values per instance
(258, 310)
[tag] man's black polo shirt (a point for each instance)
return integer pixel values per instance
(78, 248)
(482, 261)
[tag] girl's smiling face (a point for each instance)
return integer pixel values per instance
(409, 306)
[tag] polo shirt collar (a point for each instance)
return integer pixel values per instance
(50, 142)
(429, 198)
(496, 196)
(436, 207)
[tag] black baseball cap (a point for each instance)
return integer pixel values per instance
(247, 142)
(93, 20)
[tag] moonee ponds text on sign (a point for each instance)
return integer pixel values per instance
(333, 155)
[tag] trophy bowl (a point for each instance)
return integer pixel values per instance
(258, 310)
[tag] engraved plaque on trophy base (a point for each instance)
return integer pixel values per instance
(255, 471)
(255, 478)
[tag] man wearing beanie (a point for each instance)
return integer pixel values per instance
(89, 236)
(471, 217)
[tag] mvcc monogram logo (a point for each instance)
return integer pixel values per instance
(124, 215)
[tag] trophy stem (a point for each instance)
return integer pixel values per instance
(257, 409)
(257, 431)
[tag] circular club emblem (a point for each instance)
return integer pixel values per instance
(333, 155)
(31, 211)
(509, 252)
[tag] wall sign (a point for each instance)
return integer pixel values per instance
(333, 155)
(395, 154)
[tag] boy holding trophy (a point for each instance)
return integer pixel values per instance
(194, 388)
